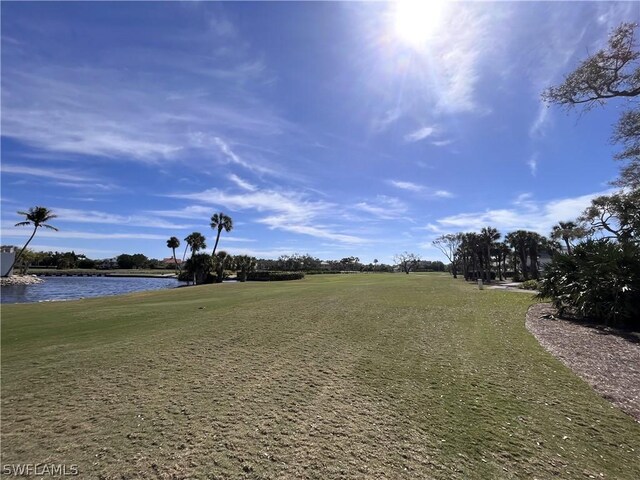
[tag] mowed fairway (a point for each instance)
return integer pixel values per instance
(354, 376)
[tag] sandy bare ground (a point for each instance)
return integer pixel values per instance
(606, 359)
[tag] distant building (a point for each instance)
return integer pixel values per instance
(544, 259)
(170, 261)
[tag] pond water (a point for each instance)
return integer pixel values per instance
(73, 288)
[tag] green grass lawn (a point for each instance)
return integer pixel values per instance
(354, 376)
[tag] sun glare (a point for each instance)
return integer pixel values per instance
(416, 20)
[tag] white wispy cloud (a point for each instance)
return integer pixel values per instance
(70, 215)
(242, 183)
(190, 212)
(412, 187)
(283, 222)
(441, 143)
(231, 156)
(14, 232)
(48, 173)
(525, 213)
(443, 194)
(383, 207)
(424, 191)
(285, 210)
(540, 123)
(420, 134)
(532, 163)
(380, 123)
(288, 202)
(99, 111)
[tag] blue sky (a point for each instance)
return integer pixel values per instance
(334, 129)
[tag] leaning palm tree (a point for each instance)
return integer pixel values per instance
(220, 221)
(174, 243)
(36, 216)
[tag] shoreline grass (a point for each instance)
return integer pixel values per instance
(380, 376)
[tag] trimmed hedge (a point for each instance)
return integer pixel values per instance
(274, 276)
(331, 272)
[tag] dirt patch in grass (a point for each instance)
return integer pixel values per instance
(606, 359)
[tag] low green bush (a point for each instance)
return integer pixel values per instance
(265, 276)
(529, 285)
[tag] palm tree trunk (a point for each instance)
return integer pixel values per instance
(193, 266)
(217, 240)
(175, 260)
(523, 264)
(488, 263)
(15, 260)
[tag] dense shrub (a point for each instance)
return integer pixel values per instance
(331, 272)
(264, 276)
(197, 269)
(599, 280)
(529, 285)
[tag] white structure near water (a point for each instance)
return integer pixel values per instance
(7, 256)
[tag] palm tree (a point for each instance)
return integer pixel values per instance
(503, 251)
(244, 264)
(220, 261)
(489, 235)
(473, 249)
(174, 243)
(567, 231)
(195, 241)
(220, 221)
(199, 266)
(519, 241)
(36, 216)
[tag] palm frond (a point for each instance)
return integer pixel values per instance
(22, 224)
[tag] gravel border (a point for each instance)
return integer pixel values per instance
(606, 359)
